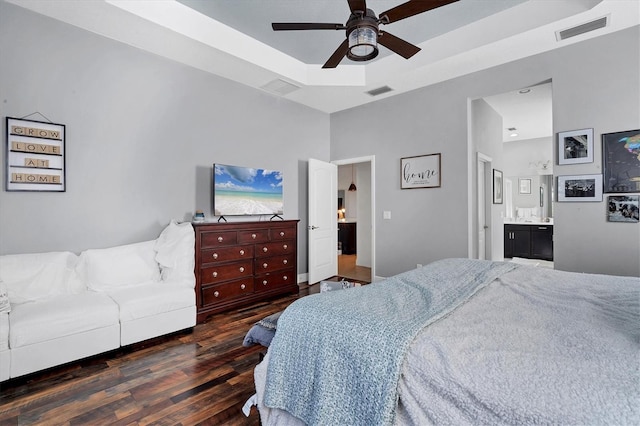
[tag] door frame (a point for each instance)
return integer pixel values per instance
(372, 160)
(484, 187)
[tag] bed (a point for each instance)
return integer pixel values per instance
(458, 341)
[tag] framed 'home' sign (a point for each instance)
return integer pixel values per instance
(35, 154)
(422, 171)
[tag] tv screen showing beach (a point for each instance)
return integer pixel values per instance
(246, 191)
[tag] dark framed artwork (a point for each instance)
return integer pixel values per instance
(621, 161)
(35, 156)
(575, 147)
(422, 171)
(580, 188)
(623, 208)
(497, 187)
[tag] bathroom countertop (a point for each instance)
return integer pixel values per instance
(528, 222)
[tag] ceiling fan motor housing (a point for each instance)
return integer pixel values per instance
(362, 33)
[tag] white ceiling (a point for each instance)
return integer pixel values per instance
(233, 39)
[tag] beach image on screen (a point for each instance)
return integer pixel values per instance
(246, 191)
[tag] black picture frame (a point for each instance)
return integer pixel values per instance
(498, 187)
(35, 156)
(621, 161)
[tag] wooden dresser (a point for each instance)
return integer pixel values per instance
(244, 262)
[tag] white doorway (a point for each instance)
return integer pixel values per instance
(484, 219)
(359, 215)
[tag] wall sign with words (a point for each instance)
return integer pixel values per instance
(35, 153)
(422, 171)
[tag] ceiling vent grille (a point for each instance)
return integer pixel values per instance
(581, 29)
(280, 87)
(379, 91)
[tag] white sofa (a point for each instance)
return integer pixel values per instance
(63, 307)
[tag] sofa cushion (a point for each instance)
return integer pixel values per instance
(4, 331)
(175, 253)
(37, 276)
(121, 266)
(60, 316)
(151, 299)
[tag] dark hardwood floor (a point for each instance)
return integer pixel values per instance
(201, 377)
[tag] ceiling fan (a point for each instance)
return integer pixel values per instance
(363, 33)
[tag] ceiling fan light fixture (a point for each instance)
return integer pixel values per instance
(363, 43)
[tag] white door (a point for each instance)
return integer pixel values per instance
(322, 227)
(484, 188)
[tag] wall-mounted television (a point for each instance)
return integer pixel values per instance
(239, 191)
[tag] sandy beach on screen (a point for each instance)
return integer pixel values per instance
(241, 206)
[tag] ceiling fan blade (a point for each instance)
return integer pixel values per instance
(398, 45)
(294, 26)
(357, 5)
(411, 8)
(337, 56)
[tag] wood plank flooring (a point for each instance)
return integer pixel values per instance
(198, 377)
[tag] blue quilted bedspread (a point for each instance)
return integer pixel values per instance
(337, 356)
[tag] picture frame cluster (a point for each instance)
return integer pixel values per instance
(620, 172)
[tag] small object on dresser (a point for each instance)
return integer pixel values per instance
(199, 216)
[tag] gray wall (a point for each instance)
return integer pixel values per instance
(142, 135)
(430, 224)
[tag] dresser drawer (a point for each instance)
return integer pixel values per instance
(225, 254)
(274, 280)
(220, 292)
(253, 236)
(277, 248)
(287, 233)
(216, 239)
(273, 263)
(228, 271)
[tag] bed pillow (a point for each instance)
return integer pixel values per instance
(121, 266)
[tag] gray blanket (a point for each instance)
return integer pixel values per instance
(347, 347)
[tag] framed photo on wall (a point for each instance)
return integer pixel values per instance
(422, 171)
(497, 187)
(35, 156)
(623, 208)
(580, 188)
(621, 161)
(524, 186)
(575, 147)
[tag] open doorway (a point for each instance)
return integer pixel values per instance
(356, 227)
(527, 166)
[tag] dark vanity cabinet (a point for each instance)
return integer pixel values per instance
(528, 241)
(347, 237)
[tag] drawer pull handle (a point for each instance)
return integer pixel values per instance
(214, 255)
(242, 269)
(264, 249)
(253, 236)
(285, 246)
(216, 294)
(285, 261)
(241, 252)
(242, 287)
(285, 278)
(282, 233)
(264, 265)
(264, 282)
(220, 239)
(215, 274)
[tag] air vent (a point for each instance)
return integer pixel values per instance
(511, 129)
(379, 91)
(581, 29)
(280, 87)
